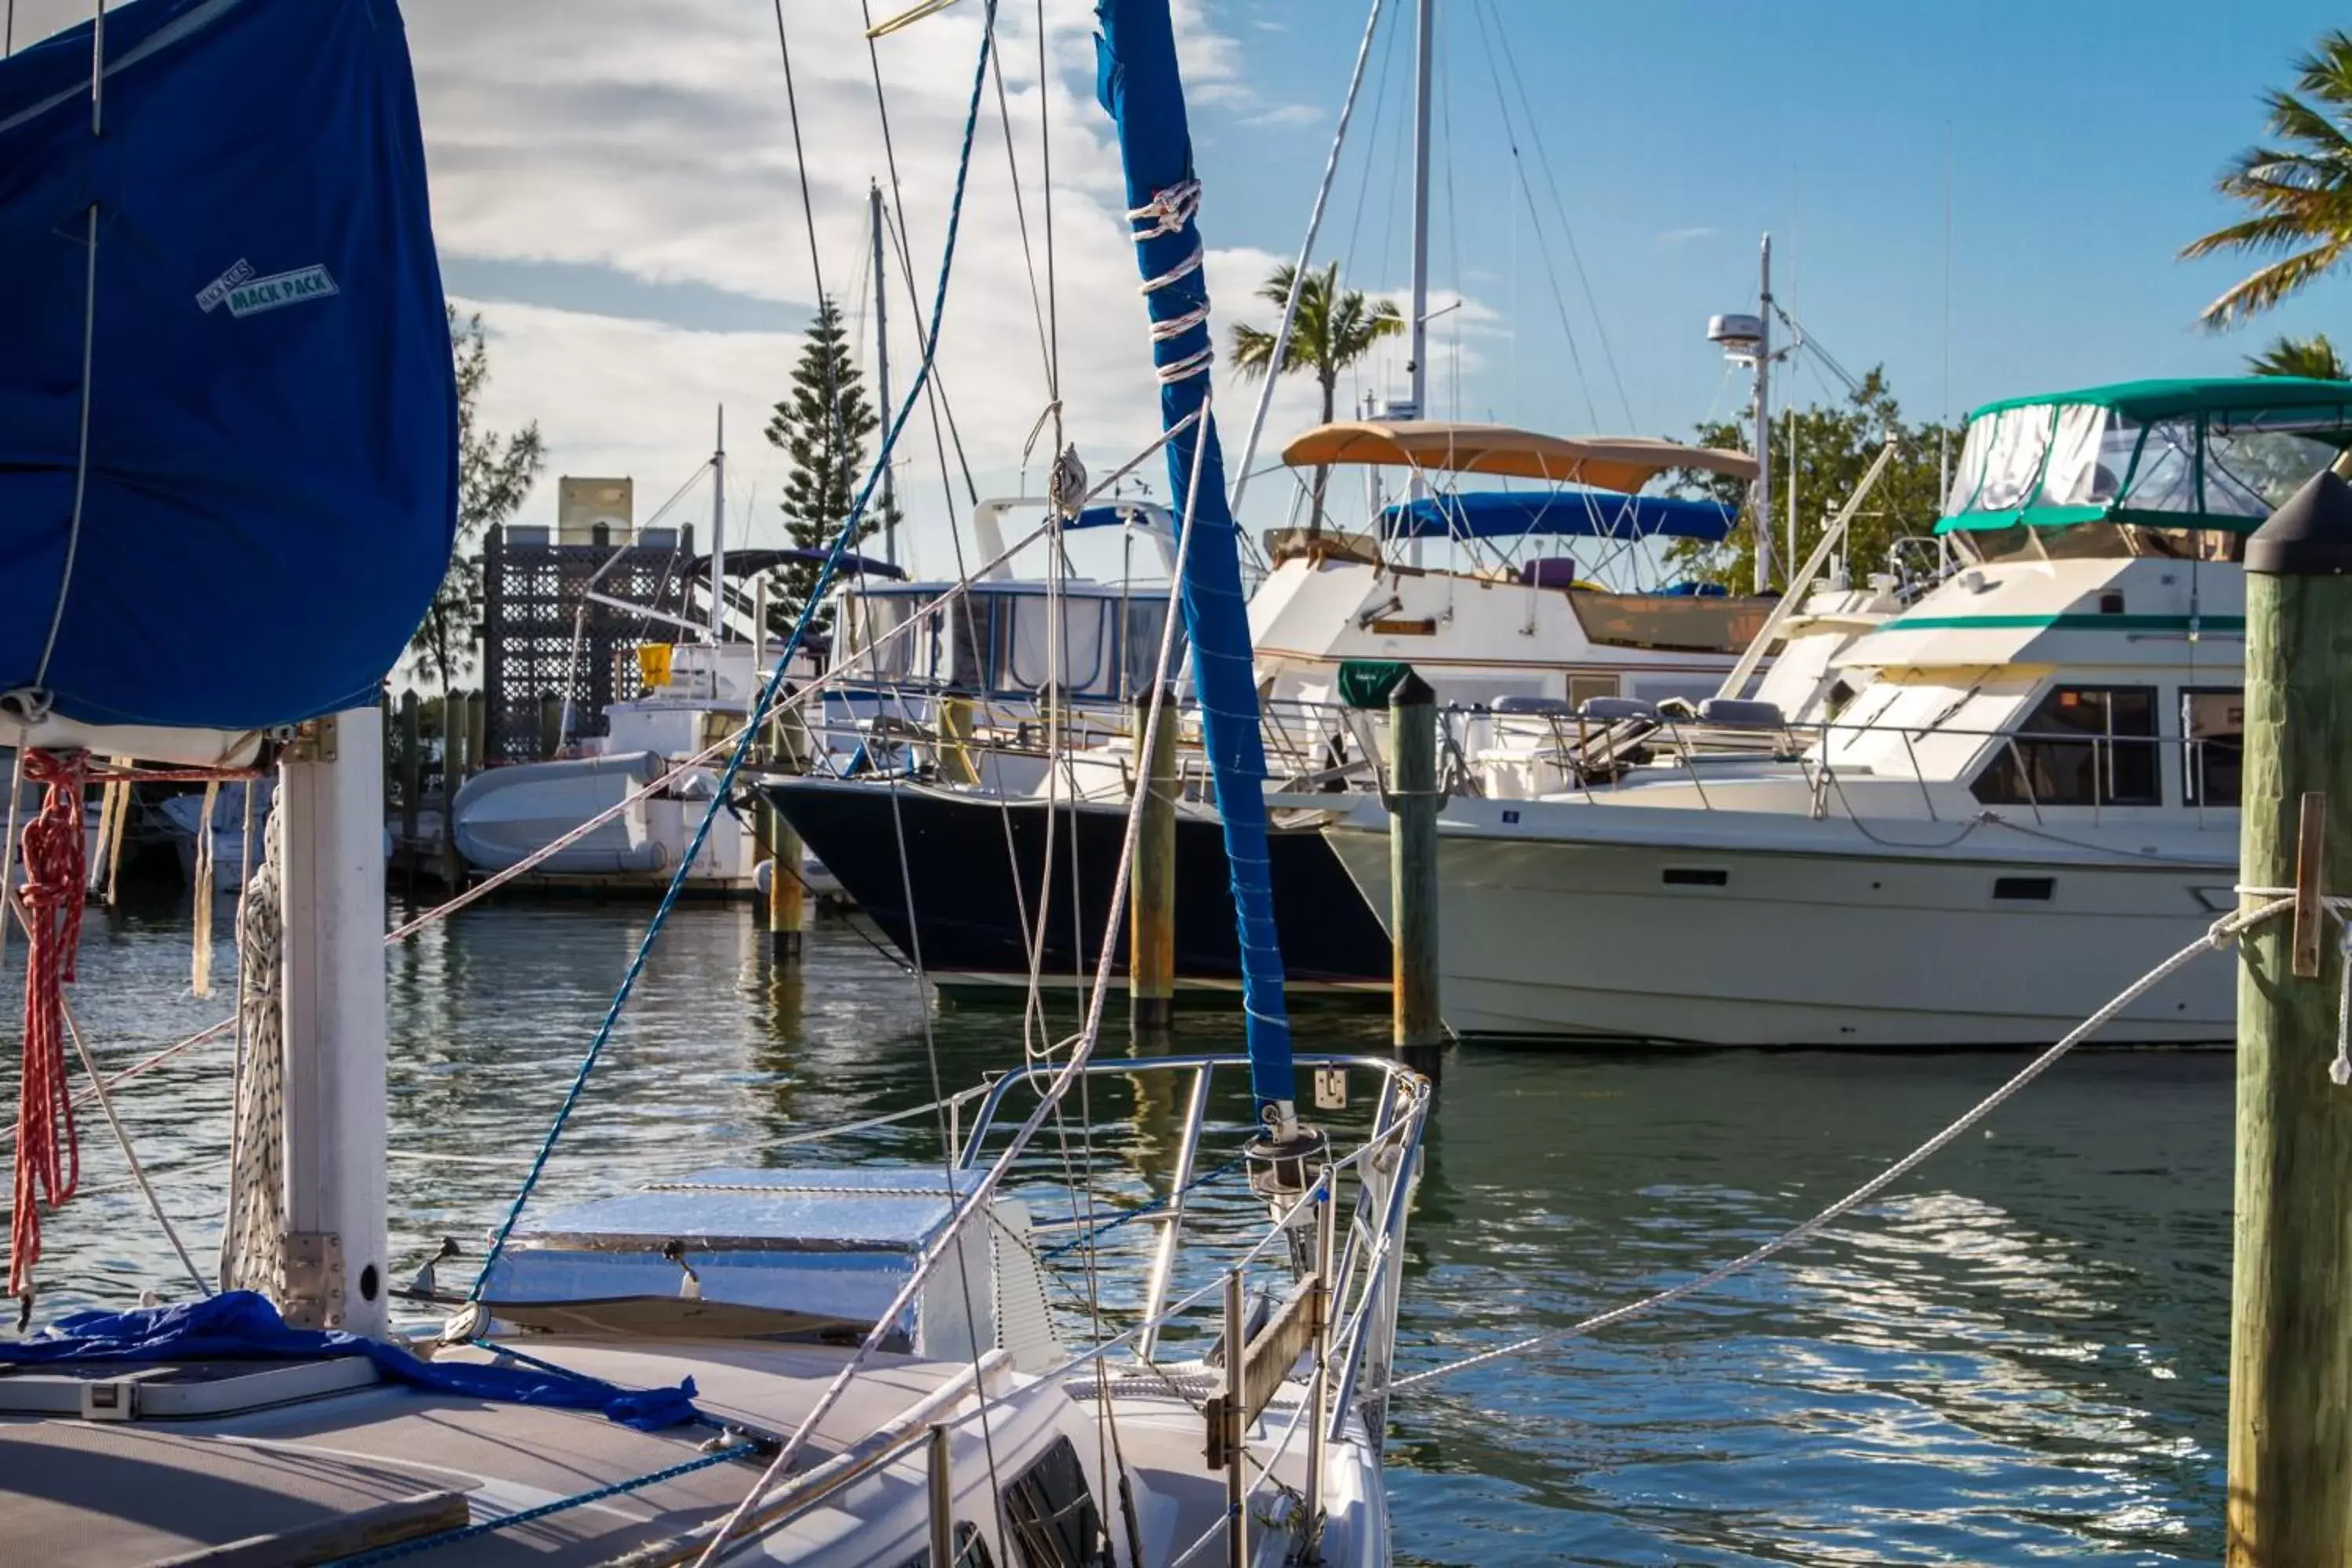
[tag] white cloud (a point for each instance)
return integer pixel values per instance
(1289, 114)
(652, 145)
(1686, 235)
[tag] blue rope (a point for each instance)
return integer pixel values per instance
(530, 1515)
(825, 575)
(1144, 1211)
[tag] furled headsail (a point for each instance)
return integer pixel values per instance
(227, 415)
(1139, 84)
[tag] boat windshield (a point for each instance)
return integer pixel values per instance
(2061, 463)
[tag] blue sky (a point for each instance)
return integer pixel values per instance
(2083, 137)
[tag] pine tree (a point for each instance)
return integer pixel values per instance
(823, 427)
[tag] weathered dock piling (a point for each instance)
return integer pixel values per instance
(1151, 909)
(787, 896)
(2290, 1479)
(1413, 802)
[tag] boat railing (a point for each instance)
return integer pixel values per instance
(1370, 1183)
(1597, 759)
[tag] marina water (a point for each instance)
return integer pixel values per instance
(2020, 1356)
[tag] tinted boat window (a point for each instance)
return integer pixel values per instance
(2082, 745)
(2213, 727)
(1051, 1513)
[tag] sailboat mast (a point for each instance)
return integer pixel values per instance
(882, 369)
(719, 533)
(1418, 366)
(1139, 83)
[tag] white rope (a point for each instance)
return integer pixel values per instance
(252, 1253)
(2223, 931)
(2339, 1071)
(983, 1192)
(1168, 211)
(1176, 274)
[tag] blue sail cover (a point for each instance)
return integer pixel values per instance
(1511, 514)
(1137, 82)
(271, 492)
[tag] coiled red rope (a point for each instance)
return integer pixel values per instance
(48, 1154)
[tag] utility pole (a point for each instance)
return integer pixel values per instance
(2290, 1479)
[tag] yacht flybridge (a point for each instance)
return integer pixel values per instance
(1519, 617)
(2035, 790)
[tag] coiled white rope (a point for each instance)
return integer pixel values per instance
(252, 1256)
(2223, 932)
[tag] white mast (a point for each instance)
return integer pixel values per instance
(719, 533)
(882, 369)
(1425, 17)
(331, 798)
(1763, 512)
(1423, 50)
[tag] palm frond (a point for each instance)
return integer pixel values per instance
(2313, 357)
(2275, 282)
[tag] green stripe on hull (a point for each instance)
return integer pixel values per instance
(2092, 623)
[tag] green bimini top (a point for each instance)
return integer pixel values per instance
(2195, 453)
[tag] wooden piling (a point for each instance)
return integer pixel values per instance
(2290, 1477)
(787, 900)
(478, 727)
(1151, 910)
(412, 781)
(550, 725)
(1413, 802)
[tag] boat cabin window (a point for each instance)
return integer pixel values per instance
(971, 1551)
(1146, 620)
(2082, 745)
(1051, 1514)
(2214, 741)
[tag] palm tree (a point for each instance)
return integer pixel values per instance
(2313, 357)
(2301, 191)
(1332, 331)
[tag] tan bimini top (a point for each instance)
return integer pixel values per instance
(1604, 462)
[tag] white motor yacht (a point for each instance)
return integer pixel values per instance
(2034, 793)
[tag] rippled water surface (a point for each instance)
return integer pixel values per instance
(2018, 1356)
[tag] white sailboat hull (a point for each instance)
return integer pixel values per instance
(1807, 933)
(507, 815)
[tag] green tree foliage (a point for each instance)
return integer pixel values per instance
(494, 475)
(1332, 331)
(822, 427)
(1835, 446)
(2313, 357)
(2299, 189)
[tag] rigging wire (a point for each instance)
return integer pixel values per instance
(1535, 214)
(966, 1204)
(1371, 146)
(1298, 275)
(1567, 230)
(939, 404)
(761, 710)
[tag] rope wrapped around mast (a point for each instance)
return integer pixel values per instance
(1137, 82)
(49, 1153)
